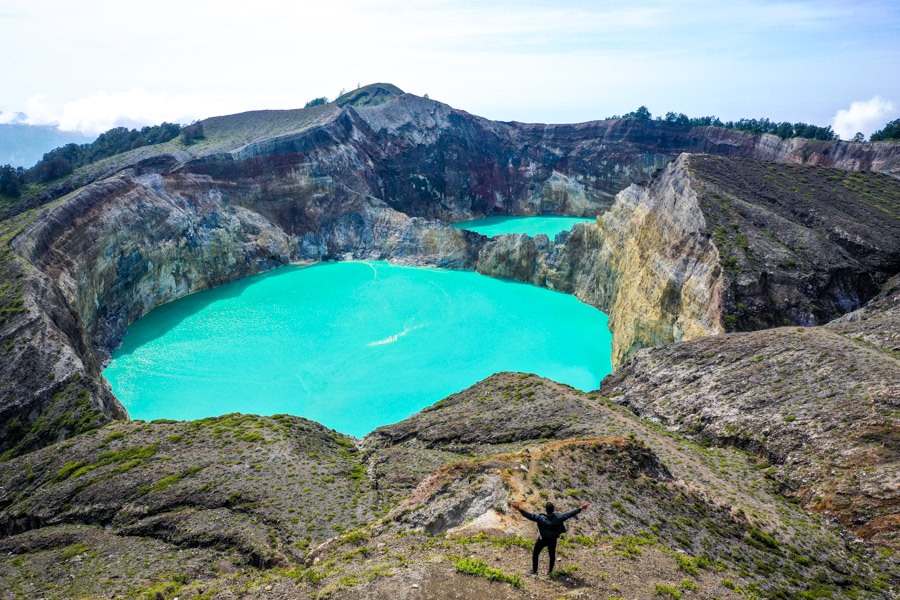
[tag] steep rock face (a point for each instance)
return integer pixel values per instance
(648, 262)
(799, 244)
(119, 249)
(52, 387)
(716, 243)
(49, 388)
(664, 280)
(878, 322)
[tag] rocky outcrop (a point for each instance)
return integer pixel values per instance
(799, 244)
(663, 279)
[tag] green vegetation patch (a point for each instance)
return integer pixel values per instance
(478, 568)
(79, 468)
(631, 546)
(663, 589)
(74, 550)
(69, 411)
(692, 564)
(167, 481)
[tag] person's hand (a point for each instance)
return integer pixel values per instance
(584, 505)
(515, 505)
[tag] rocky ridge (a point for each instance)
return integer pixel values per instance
(245, 506)
(819, 403)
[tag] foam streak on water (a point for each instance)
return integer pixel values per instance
(350, 348)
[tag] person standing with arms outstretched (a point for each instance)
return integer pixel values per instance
(550, 527)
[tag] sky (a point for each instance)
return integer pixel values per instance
(94, 64)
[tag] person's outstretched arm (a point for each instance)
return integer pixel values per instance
(525, 513)
(572, 513)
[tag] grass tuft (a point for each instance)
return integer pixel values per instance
(478, 568)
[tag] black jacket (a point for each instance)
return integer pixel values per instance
(550, 526)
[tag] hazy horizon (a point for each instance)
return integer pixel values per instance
(90, 66)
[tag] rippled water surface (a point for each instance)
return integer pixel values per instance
(353, 345)
(546, 224)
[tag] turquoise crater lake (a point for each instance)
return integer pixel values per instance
(353, 345)
(549, 225)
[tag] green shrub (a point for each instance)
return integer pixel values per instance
(167, 481)
(688, 564)
(67, 470)
(564, 572)
(762, 540)
(73, 550)
(662, 589)
(478, 568)
(357, 537)
(116, 435)
(630, 545)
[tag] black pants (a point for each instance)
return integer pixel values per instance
(539, 545)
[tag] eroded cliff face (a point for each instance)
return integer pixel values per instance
(714, 244)
(648, 262)
(665, 280)
(118, 250)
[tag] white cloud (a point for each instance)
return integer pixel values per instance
(11, 117)
(863, 115)
(38, 111)
(102, 111)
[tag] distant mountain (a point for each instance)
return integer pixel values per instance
(23, 145)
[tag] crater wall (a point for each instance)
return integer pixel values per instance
(380, 182)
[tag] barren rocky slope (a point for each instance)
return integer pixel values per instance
(822, 404)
